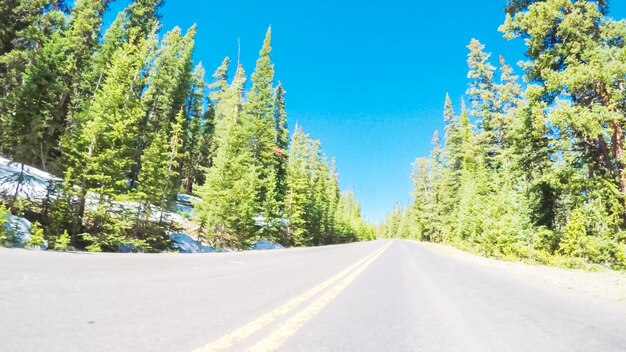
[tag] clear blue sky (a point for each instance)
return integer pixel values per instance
(368, 78)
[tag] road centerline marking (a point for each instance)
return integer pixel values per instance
(295, 323)
(252, 327)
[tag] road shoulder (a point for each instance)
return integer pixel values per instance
(604, 284)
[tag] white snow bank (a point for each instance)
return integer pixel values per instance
(33, 183)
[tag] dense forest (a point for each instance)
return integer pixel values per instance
(124, 119)
(530, 168)
(533, 169)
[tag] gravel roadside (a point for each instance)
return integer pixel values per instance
(603, 284)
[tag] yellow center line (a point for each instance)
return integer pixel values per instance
(295, 323)
(247, 330)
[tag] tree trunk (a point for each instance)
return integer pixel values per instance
(79, 214)
(618, 151)
(16, 194)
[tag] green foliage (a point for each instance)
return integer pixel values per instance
(198, 136)
(62, 242)
(95, 246)
(298, 197)
(29, 50)
(108, 230)
(282, 139)
(36, 236)
(21, 205)
(58, 217)
(101, 148)
(127, 121)
(258, 128)
(534, 173)
(546, 240)
(575, 241)
(426, 207)
(231, 184)
(6, 238)
(317, 212)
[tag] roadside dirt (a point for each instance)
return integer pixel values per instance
(604, 284)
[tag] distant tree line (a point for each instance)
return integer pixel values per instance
(533, 170)
(127, 118)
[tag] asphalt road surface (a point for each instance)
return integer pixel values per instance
(376, 296)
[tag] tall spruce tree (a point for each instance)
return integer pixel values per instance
(228, 210)
(198, 134)
(298, 200)
(282, 139)
(138, 20)
(540, 173)
(573, 52)
(50, 84)
(168, 84)
(103, 147)
(482, 95)
(37, 23)
(452, 166)
(260, 126)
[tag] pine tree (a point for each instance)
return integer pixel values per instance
(14, 22)
(198, 134)
(228, 210)
(50, 85)
(393, 222)
(532, 154)
(62, 242)
(316, 211)
(100, 145)
(282, 139)
(6, 238)
(333, 194)
(352, 226)
(26, 26)
(482, 95)
(405, 228)
(36, 236)
(36, 23)
(157, 185)
(227, 103)
(21, 126)
(424, 218)
(103, 147)
(137, 21)
(35, 107)
(168, 84)
(260, 126)
(474, 185)
(452, 167)
(573, 51)
(423, 200)
(298, 193)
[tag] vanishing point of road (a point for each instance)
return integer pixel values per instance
(374, 296)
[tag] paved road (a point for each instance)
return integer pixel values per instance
(377, 296)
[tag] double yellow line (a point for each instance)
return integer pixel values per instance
(292, 325)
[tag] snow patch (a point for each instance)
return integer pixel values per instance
(185, 203)
(263, 245)
(33, 183)
(185, 244)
